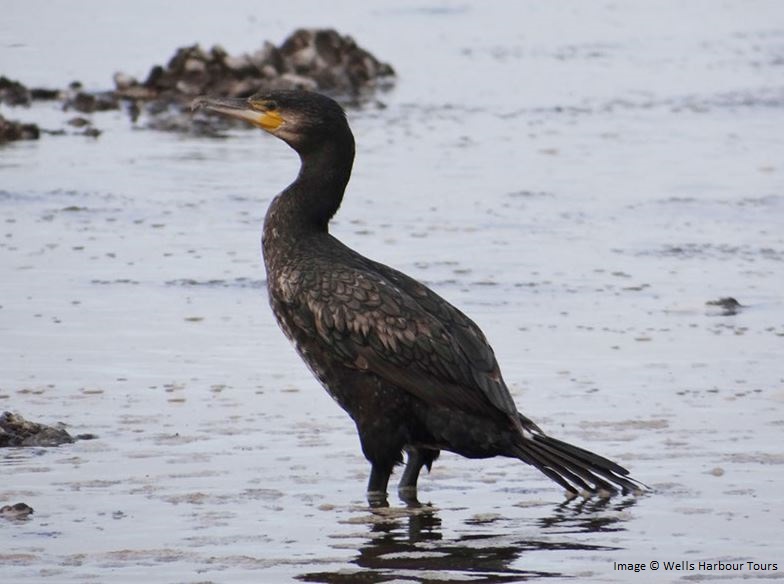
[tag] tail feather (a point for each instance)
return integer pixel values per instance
(553, 466)
(575, 468)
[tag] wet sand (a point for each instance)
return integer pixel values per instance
(580, 180)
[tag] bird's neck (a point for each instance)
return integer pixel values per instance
(306, 206)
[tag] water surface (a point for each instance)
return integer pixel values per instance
(580, 178)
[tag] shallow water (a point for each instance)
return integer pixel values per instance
(579, 178)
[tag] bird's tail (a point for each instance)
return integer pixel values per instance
(574, 468)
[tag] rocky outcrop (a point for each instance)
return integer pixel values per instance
(16, 431)
(313, 59)
(318, 60)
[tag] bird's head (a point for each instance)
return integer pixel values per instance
(300, 118)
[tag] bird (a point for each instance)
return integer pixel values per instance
(414, 373)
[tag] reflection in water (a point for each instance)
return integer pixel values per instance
(409, 545)
(588, 515)
(19, 455)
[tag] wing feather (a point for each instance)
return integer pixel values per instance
(379, 320)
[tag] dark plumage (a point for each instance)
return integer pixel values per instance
(413, 372)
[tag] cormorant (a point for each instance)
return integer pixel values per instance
(413, 372)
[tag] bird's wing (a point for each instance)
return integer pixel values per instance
(379, 320)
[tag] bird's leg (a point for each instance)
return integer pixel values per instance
(377, 486)
(417, 458)
(414, 463)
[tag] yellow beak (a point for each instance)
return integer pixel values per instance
(242, 109)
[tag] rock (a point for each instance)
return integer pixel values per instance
(88, 103)
(13, 92)
(44, 94)
(334, 62)
(11, 130)
(294, 81)
(16, 431)
(240, 65)
(268, 60)
(91, 132)
(78, 122)
(16, 511)
(726, 306)
(123, 81)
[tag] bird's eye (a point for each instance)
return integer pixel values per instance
(270, 106)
